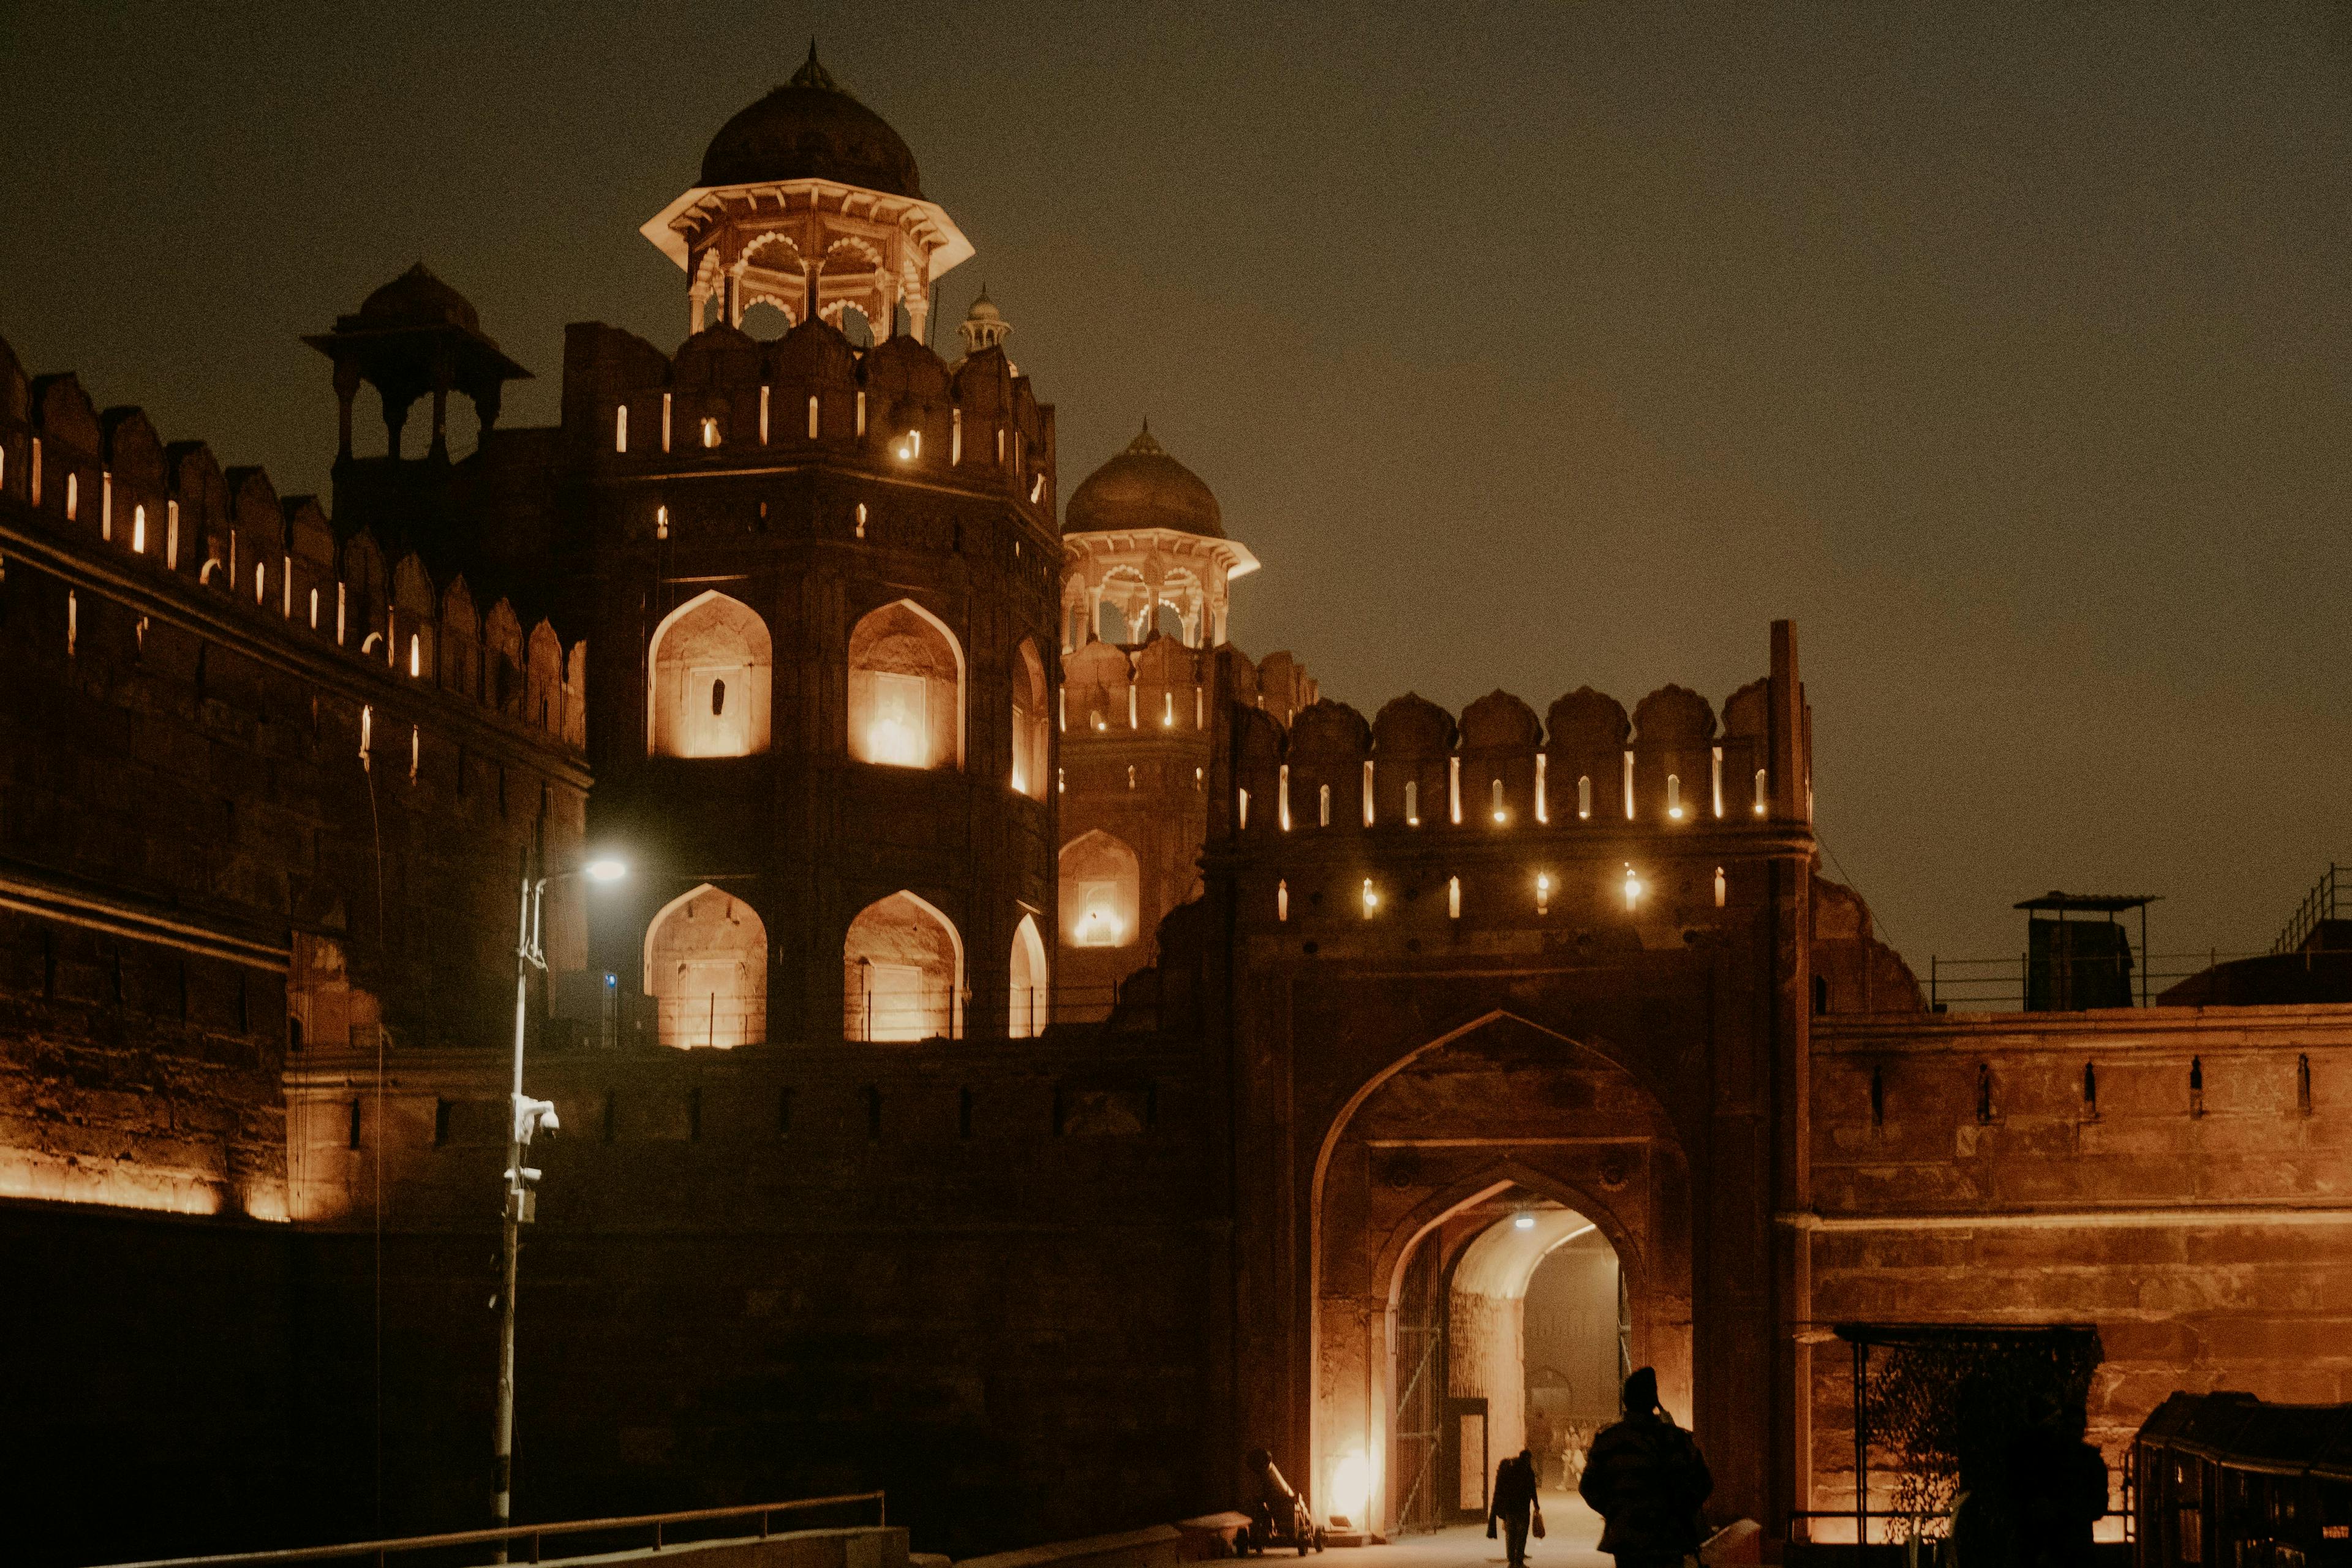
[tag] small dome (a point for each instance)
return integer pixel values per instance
(1144, 487)
(811, 129)
(417, 299)
(983, 309)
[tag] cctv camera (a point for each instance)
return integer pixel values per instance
(547, 1121)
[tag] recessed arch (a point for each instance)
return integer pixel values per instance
(1029, 727)
(709, 670)
(905, 689)
(706, 959)
(1030, 986)
(1101, 886)
(902, 971)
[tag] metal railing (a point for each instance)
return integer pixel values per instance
(1897, 1523)
(2325, 901)
(661, 1528)
(1999, 984)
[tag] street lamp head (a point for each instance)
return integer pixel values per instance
(605, 869)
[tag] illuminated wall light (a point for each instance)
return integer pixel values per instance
(1168, 711)
(1760, 791)
(138, 530)
(621, 428)
(367, 732)
(1130, 776)
(861, 519)
(1543, 892)
(1543, 806)
(1453, 789)
(1061, 782)
(1368, 793)
(1062, 709)
(1674, 796)
(73, 494)
(1453, 897)
(342, 610)
(1282, 797)
(1199, 709)
(666, 398)
(1717, 781)
(416, 752)
(999, 446)
(1282, 900)
(1629, 786)
(285, 586)
(1721, 888)
(1036, 489)
(861, 414)
(139, 633)
(34, 485)
(1323, 806)
(955, 437)
(709, 434)
(1241, 803)
(661, 522)
(415, 655)
(106, 507)
(1497, 802)
(314, 609)
(1632, 887)
(172, 535)
(764, 414)
(1200, 779)
(1131, 709)
(1584, 798)
(1371, 899)
(261, 581)
(811, 417)
(1412, 802)
(73, 622)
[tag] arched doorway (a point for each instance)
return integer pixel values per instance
(1500, 1118)
(902, 971)
(1510, 1335)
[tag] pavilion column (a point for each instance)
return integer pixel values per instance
(347, 389)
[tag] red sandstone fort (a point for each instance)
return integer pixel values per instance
(1039, 1052)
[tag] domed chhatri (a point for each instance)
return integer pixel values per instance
(417, 299)
(1145, 535)
(812, 128)
(809, 202)
(1144, 487)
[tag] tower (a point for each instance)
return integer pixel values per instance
(1148, 572)
(824, 580)
(808, 201)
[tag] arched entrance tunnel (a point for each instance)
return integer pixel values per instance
(1511, 1333)
(1502, 1227)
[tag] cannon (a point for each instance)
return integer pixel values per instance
(1279, 1516)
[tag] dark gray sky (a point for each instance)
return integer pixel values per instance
(2005, 348)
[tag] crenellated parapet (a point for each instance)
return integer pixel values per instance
(104, 490)
(1656, 815)
(728, 403)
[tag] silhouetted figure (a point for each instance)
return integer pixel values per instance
(1513, 1502)
(1646, 1479)
(2057, 1490)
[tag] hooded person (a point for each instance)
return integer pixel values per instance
(1646, 1478)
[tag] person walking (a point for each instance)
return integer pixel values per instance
(1513, 1504)
(1646, 1478)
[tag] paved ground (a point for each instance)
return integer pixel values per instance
(1573, 1531)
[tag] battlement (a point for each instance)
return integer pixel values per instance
(1163, 688)
(730, 402)
(105, 488)
(1585, 768)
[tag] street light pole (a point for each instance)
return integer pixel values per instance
(525, 1117)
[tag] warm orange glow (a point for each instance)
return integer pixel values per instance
(1371, 899)
(1633, 889)
(1282, 900)
(1454, 897)
(1720, 887)
(1543, 893)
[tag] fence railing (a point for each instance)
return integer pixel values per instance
(1999, 984)
(622, 1534)
(2324, 903)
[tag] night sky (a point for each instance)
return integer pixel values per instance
(2006, 349)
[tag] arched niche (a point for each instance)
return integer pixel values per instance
(902, 971)
(707, 971)
(1030, 731)
(1030, 994)
(906, 690)
(1101, 888)
(707, 677)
